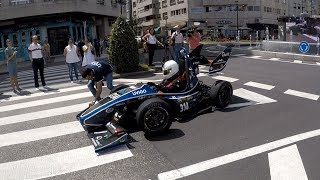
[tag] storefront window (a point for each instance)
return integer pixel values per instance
(15, 40)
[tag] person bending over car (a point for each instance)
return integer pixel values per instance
(95, 73)
(172, 82)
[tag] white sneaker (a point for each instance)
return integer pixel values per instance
(71, 82)
(45, 87)
(37, 89)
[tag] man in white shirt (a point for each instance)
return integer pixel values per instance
(177, 37)
(37, 62)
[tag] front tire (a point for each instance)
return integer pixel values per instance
(154, 116)
(221, 93)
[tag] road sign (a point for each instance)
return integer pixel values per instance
(304, 47)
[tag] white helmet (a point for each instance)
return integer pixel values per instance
(170, 68)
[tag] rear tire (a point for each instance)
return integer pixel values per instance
(221, 93)
(154, 116)
(118, 87)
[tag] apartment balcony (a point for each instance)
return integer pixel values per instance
(12, 9)
(148, 12)
(146, 3)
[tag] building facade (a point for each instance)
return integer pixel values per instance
(55, 21)
(297, 7)
(219, 16)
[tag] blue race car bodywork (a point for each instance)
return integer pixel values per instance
(152, 110)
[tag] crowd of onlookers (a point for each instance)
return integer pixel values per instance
(78, 56)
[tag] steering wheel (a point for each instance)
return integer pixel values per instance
(153, 86)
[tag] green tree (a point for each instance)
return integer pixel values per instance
(123, 49)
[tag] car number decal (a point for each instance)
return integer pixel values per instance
(184, 107)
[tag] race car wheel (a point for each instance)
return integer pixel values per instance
(154, 116)
(118, 87)
(221, 93)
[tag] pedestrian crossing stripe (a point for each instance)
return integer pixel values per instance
(60, 163)
(286, 163)
(42, 114)
(33, 95)
(45, 101)
(40, 133)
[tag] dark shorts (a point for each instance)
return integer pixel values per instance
(12, 69)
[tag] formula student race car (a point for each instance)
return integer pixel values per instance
(152, 110)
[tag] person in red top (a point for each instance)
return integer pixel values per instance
(193, 39)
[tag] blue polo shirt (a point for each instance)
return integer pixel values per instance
(100, 69)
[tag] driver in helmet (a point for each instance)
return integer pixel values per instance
(172, 82)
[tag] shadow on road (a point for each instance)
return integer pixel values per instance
(171, 134)
(5, 96)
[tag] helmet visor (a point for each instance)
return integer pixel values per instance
(166, 72)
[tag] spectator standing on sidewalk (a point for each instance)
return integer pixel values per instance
(88, 56)
(193, 39)
(72, 59)
(152, 41)
(80, 45)
(37, 62)
(97, 47)
(101, 46)
(10, 54)
(177, 38)
(96, 72)
(46, 51)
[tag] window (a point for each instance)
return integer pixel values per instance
(172, 2)
(134, 14)
(114, 3)
(134, 4)
(165, 16)
(101, 2)
(178, 12)
(180, 1)
(164, 4)
(20, 2)
(256, 8)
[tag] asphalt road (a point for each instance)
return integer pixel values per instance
(271, 133)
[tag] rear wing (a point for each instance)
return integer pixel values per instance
(220, 62)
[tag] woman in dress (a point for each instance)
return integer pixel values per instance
(152, 41)
(88, 56)
(72, 59)
(10, 54)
